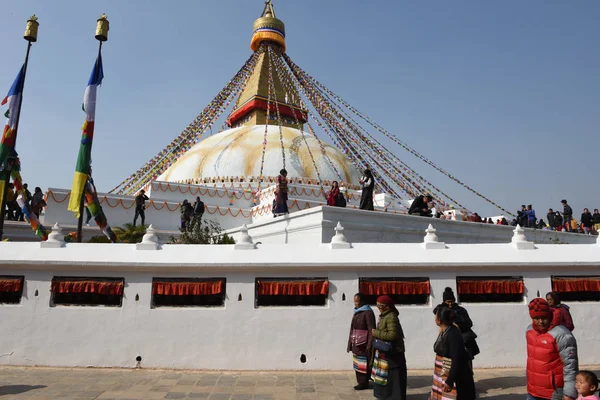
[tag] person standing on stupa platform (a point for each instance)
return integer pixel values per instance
(140, 206)
(368, 184)
(280, 206)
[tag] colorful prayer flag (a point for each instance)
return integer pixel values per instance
(82, 169)
(7, 144)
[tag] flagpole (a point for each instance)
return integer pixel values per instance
(31, 31)
(101, 36)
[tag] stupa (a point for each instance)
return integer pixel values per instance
(276, 116)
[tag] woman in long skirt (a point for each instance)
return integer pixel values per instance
(368, 184)
(361, 340)
(389, 372)
(281, 194)
(452, 375)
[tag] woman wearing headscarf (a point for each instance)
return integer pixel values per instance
(368, 184)
(560, 312)
(389, 363)
(452, 376)
(361, 340)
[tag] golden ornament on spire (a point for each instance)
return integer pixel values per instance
(31, 30)
(268, 28)
(102, 28)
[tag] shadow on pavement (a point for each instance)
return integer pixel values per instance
(16, 389)
(501, 382)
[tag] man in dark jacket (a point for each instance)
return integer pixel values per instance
(140, 206)
(463, 321)
(567, 215)
(420, 206)
(198, 209)
(552, 361)
(550, 217)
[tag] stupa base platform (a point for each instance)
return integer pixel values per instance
(316, 225)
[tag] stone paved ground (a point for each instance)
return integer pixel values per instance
(89, 383)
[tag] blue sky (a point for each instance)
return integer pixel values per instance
(504, 95)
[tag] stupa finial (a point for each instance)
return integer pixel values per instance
(268, 28)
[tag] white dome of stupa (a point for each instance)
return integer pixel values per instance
(238, 152)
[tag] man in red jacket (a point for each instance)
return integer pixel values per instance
(552, 362)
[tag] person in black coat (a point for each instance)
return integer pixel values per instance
(449, 347)
(463, 322)
(368, 185)
(550, 217)
(586, 221)
(420, 206)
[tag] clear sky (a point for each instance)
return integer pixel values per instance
(504, 95)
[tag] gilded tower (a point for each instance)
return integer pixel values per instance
(268, 38)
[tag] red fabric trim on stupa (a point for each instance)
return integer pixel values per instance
(261, 104)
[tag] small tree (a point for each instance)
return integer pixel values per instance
(199, 231)
(125, 234)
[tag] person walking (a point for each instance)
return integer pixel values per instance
(368, 185)
(186, 212)
(360, 341)
(567, 215)
(586, 221)
(389, 371)
(37, 201)
(552, 361)
(452, 375)
(463, 322)
(561, 313)
(140, 207)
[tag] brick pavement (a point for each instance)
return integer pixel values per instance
(142, 384)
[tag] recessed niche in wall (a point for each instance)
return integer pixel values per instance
(11, 289)
(577, 288)
(86, 291)
(404, 291)
(273, 292)
(490, 289)
(188, 292)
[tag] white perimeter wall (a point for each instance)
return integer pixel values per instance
(239, 336)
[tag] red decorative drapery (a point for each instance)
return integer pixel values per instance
(87, 286)
(293, 288)
(189, 288)
(576, 284)
(490, 286)
(11, 285)
(394, 287)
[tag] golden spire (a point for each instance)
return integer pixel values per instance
(268, 28)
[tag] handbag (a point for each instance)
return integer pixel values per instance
(359, 337)
(382, 345)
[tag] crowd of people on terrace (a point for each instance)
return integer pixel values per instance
(35, 202)
(378, 352)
